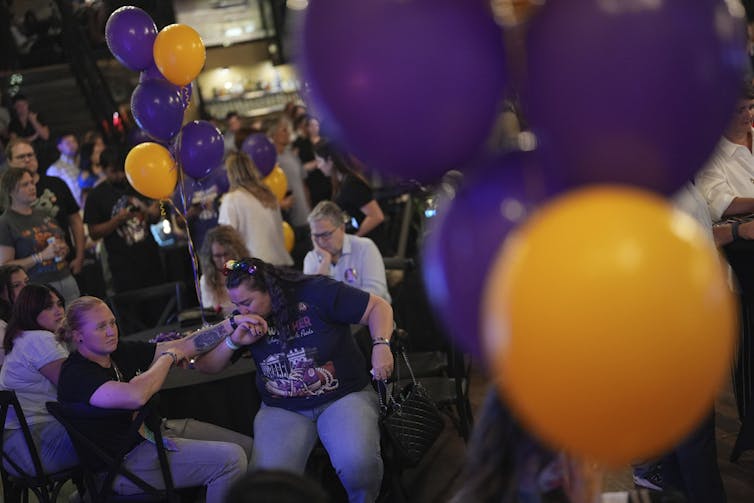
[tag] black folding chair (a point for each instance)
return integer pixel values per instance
(101, 468)
(46, 486)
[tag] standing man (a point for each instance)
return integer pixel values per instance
(233, 126)
(345, 257)
(116, 212)
(280, 133)
(54, 197)
(67, 166)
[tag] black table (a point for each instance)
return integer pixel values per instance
(228, 398)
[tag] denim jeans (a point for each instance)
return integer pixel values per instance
(348, 430)
(68, 288)
(53, 446)
(207, 455)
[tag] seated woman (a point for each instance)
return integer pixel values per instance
(12, 280)
(310, 372)
(31, 369)
(220, 244)
(106, 373)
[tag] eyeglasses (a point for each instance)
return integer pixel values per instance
(324, 235)
(30, 155)
(239, 265)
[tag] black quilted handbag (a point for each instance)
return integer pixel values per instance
(410, 419)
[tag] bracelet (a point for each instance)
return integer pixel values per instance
(232, 345)
(175, 358)
(734, 230)
(233, 323)
(37, 258)
(381, 340)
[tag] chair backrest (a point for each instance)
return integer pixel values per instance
(8, 399)
(101, 467)
(127, 306)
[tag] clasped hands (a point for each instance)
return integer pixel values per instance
(251, 328)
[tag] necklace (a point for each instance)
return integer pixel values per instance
(118, 375)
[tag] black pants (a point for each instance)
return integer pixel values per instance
(691, 467)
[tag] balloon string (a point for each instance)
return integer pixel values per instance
(192, 251)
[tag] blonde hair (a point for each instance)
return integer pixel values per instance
(243, 174)
(229, 238)
(75, 317)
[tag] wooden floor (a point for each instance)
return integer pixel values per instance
(439, 476)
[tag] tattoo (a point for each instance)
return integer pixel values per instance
(207, 338)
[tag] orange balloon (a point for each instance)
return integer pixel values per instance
(179, 53)
(277, 182)
(289, 236)
(609, 324)
(151, 170)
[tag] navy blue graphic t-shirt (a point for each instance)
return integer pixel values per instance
(321, 362)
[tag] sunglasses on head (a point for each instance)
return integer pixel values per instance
(239, 265)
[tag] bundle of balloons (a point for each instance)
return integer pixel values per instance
(164, 148)
(603, 314)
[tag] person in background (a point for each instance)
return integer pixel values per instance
(345, 257)
(310, 373)
(221, 244)
(317, 182)
(353, 194)
(106, 372)
(252, 209)
(280, 133)
(26, 123)
(54, 197)
(32, 366)
(115, 212)
(30, 237)
(12, 280)
(91, 173)
(67, 166)
(203, 200)
(232, 127)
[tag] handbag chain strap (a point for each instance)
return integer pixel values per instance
(389, 400)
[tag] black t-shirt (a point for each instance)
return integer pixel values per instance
(54, 197)
(354, 194)
(80, 378)
(319, 185)
(132, 252)
(322, 363)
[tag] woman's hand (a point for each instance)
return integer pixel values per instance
(251, 328)
(382, 362)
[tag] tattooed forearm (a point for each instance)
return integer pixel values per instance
(207, 338)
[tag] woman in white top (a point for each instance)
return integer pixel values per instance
(252, 209)
(220, 244)
(31, 369)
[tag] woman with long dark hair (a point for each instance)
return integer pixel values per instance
(310, 373)
(352, 192)
(32, 366)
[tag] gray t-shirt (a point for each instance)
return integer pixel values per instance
(28, 234)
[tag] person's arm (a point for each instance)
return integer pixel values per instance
(739, 205)
(379, 317)
(104, 229)
(317, 261)
(51, 371)
(41, 130)
(79, 241)
(8, 256)
(373, 217)
(250, 329)
(373, 279)
(724, 232)
(136, 392)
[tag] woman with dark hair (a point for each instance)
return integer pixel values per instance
(252, 209)
(32, 366)
(352, 192)
(317, 183)
(221, 244)
(310, 373)
(12, 280)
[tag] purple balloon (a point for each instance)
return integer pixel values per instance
(413, 87)
(158, 108)
(633, 94)
(201, 148)
(262, 152)
(137, 136)
(130, 34)
(150, 73)
(153, 73)
(467, 235)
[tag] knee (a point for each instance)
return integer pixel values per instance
(359, 468)
(234, 458)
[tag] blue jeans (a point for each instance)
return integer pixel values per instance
(348, 429)
(68, 288)
(53, 446)
(207, 455)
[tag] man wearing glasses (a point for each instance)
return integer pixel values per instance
(53, 196)
(352, 259)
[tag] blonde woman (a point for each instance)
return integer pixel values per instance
(220, 244)
(252, 209)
